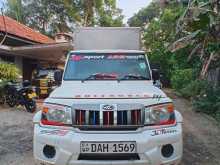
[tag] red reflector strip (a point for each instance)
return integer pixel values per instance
(105, 118)
(108, 118)
(46, 122)
(135, 117)
(169, 122)
(80, 117)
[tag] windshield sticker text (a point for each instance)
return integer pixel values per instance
(112, 57)
(109, 57)
(80, 57)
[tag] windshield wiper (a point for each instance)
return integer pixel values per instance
(133, 77)
(100, 76)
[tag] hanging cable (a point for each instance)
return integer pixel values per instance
(6, 33)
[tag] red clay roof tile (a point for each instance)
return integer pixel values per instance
(15, 28)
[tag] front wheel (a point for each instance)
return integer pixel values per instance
(30, 106)
(2, 99)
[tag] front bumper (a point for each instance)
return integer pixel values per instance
(149, 144)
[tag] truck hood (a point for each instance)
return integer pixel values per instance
(107, 89)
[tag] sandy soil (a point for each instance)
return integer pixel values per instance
(201, 136)
(16, 131)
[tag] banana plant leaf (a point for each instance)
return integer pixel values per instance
(183, 42)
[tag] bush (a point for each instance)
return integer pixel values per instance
(193, 89)
(209, 101)
(8, 71)
(205, 98)
(181, 78)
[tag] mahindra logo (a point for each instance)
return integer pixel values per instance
(108, 107)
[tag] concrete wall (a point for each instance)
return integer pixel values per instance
(19, 63)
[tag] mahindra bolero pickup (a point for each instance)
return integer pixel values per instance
(107, 111)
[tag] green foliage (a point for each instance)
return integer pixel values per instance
(8, 71)
(99, 12)
(158, 34)
(209, 101)
(145, 15)
(16, 10)
(111, 18)
(197, 47)
(201, 18)
(193, 89)
(52, 16)
(205, 98)
(180, 78)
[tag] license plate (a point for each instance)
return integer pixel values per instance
(32, 95)
(108, 147)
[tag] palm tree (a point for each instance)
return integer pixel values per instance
(92, 8)
(15, 10)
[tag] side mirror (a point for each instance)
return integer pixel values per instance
(155, 75)
(58, 76)
(156, 78)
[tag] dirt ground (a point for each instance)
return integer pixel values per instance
(201, 136)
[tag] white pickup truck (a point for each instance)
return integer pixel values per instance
(107, 110)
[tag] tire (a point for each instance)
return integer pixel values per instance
(30, 106)
(2, 99)
(2, 96)
(11, 100)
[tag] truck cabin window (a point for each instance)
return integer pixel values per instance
(99, 66)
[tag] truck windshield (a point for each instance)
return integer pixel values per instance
(99, 66)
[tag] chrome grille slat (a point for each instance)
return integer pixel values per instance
(87, 117)
(73, 116)
(115, 117)
(101, 117)
(129, 117)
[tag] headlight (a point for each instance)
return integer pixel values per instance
(160, 115)
(58, 115)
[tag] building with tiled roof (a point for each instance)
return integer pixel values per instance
(29, 49)
(12, 27)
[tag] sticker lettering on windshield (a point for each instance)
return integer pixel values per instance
(82, 57)
(93, 57)
(136, 57)
(75, 57)
(116, 57)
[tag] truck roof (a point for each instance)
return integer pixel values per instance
(108, 51)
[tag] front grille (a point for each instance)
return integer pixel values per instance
(108, 120)
(109, 157)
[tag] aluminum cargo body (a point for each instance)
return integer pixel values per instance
(98, 38)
